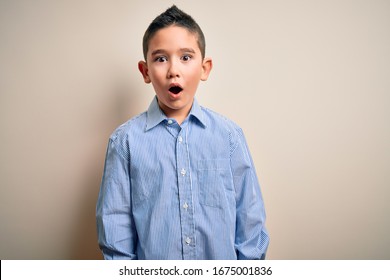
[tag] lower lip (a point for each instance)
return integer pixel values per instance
(175, 95)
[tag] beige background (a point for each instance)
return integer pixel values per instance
(308, 81)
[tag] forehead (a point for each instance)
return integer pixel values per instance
(173, 38)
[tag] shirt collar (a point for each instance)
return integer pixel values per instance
(155, 116)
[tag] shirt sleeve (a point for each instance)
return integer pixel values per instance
(251, 241)
(117, 236)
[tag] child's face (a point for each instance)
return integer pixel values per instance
(175, 66)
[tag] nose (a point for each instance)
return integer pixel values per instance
(173, 70)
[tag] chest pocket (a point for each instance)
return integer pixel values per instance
(215, 182)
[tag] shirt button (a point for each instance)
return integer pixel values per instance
(183, 172)
(180, 139)
(170, 121)
(188, 240)
(185, 206)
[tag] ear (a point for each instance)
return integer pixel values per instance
(207, 65)
(143, 68)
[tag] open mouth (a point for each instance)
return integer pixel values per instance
(175, 89)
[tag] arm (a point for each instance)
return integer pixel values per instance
(117, 235)
(252, 239)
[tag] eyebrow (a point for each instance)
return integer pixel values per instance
(159, 51)
(187, 50)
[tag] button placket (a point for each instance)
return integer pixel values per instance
(185, 195)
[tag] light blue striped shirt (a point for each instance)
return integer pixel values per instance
(186, 191)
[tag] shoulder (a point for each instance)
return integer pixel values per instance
(120, 138)
(218, 121)
(224, 127)
(122, 132)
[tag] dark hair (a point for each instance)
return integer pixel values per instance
(174, 16)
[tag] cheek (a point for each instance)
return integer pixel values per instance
(156, 76)
(195, 77)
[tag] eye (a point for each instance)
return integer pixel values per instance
(186, 57)
(160, 59)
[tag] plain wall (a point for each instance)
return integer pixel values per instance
(308, 81)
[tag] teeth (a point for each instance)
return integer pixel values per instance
(175, 89)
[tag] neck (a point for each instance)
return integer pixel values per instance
(178, 114)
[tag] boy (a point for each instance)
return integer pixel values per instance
(179, 182)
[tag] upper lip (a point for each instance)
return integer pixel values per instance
(175, 85)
